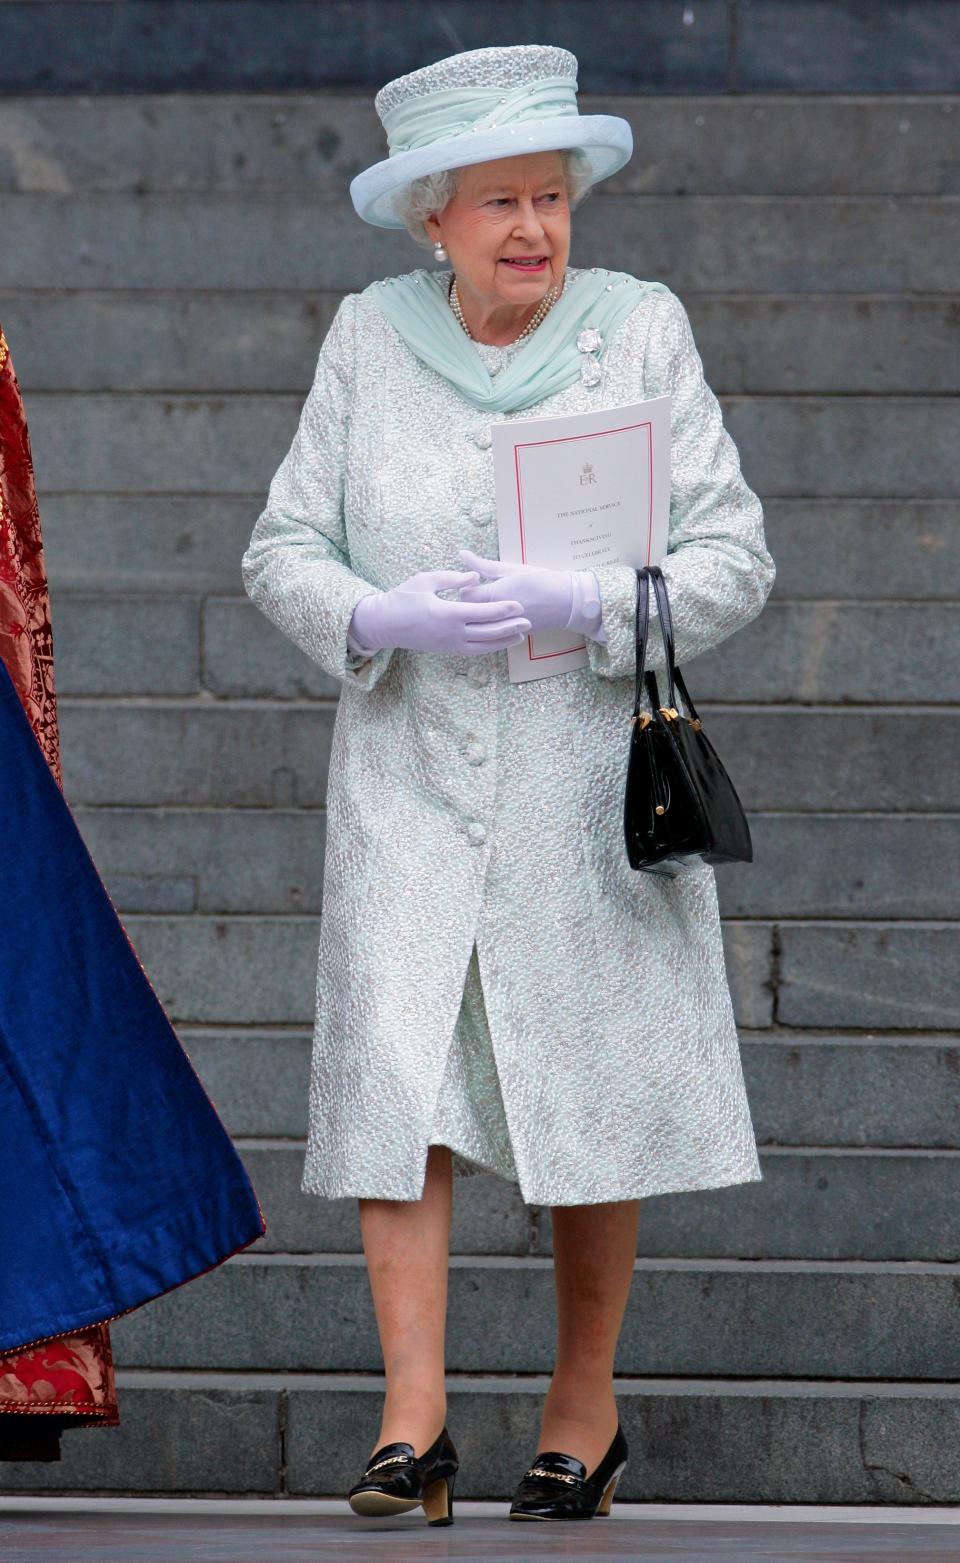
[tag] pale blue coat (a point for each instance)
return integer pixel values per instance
(465, 811)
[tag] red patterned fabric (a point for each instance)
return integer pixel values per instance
(69, 1380)
(26, 638)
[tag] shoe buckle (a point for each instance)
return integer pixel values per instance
(553, 1476)
(391, 1459)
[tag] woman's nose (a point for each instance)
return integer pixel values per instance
(528, 221)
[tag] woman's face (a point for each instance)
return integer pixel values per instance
(510, 209)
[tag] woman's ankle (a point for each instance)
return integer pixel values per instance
(579, 1391)
(579, 1422)
(413, 1418)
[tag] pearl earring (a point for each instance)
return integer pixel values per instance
(439, 253)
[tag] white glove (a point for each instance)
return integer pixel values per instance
(412, 616)
(550, 599)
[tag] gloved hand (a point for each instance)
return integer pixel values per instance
(412, 616)
(550, 599)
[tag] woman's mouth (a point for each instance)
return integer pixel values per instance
(518, 263)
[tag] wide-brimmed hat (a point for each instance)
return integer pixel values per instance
(480, 105)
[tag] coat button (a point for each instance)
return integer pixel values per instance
(481, 517)
(475, 753)
(476, 832)
(482, 437)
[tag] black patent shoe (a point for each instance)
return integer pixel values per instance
(557, 1486)
(397, 1480)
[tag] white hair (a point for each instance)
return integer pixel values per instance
(422, 197)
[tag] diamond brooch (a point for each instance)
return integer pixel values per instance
(589, 341)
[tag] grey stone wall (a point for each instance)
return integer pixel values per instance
(716, 46)
(169, 270)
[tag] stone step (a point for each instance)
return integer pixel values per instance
(794, 869)
(261, 971)
(771, 1440)
(261, 341)
(271, 860)
(695, 1439)
(720, 243)
(207, 753)
(837, 757)
(804, 1089)
(208, 860)
(194, 543)
(687, 145)
(813, 1203)
(844, 974)
(198, 754)
(831, 652)
(891, 975)
(684, 1318)
(835, 651)
(854, 544)
(289, 44)
(151, 645)
(129, 645)
(792, 446)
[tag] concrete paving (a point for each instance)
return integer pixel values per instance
(199, 1531)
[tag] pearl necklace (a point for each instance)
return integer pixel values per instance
(546, 303)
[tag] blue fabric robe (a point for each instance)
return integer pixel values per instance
(118, 1179)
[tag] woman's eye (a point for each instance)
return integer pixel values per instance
(504, 200)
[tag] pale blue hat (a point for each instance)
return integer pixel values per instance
(480, 105)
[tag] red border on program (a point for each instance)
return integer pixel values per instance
(566, 439)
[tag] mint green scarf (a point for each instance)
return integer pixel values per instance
(548, 361)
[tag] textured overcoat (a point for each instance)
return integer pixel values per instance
(465, 811)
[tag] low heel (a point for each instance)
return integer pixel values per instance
(603, 1507)
(438, 1501)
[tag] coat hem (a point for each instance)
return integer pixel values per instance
(606, 1197)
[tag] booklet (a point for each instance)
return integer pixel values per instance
(576, 492)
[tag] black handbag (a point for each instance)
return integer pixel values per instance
(680, 803)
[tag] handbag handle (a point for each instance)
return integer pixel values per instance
(655, 574)
(666, 626)
(677, 680)
(676, 677)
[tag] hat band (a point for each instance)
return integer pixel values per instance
(439, 115)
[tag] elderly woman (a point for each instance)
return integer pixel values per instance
(497, 990)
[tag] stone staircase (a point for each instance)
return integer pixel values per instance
(169, 269)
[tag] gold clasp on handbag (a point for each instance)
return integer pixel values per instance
(644, 718)
(670, 713)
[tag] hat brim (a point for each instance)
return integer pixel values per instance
(605, 139)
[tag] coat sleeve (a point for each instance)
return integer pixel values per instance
(297, 565)
(717, 569)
